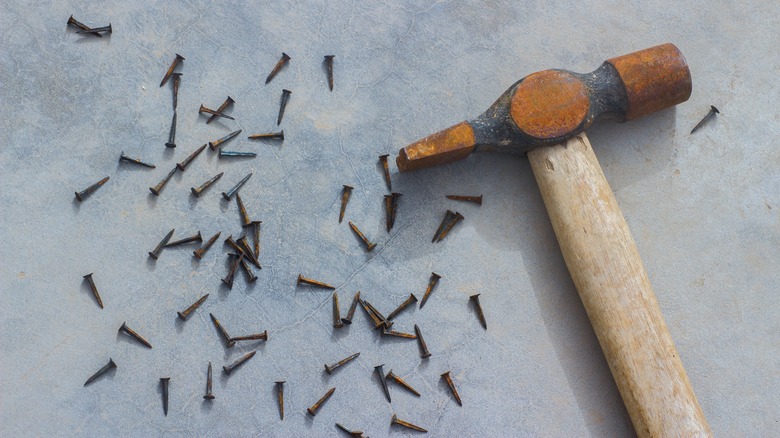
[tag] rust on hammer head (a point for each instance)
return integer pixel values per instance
(451, 144)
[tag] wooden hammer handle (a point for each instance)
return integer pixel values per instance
(612, 282)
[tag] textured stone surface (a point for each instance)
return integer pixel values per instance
(703, 209)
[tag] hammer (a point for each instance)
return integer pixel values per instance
(544, 115)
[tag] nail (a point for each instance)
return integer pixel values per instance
(394, 197)
(230, 368)
(309, 281)
(329, 66)
(216, 143)
(106, 29)
(171, 143)
(245, 222)
(176, 83)
(424, 353)
(474, 199)
(228, 280)
(406, 424)
(389, 212)
(250, 275)
(280, 396)
(198, 190)
(110, 365)
(387, 332)
(377, 322)
(402, 382)
(458, 217)
(183, 315)
(92, 286)
(352, 307)
(411, 300)
(369, 246)
(198, 253)
(175, 62)
(223, 154)
(256, 337)
(316, 407)
(157, 250)
(244, 244)
(229, 101)
(431, 285)
(222, 331)
(233, 244)
(186, 240)
(203, 109)
(209, 395)
(330, 368)
(88, 191)
(382, 320)
(256, 224)
(135, 335)
(383, 160)
(279, 64)
(352, 433)
(379, 370)
(346, 192)
(164, 382)
(158, 188)
(336, 312)
(183, 165)
(706, 118)
(269, 136)
(480, 314)
(451, 384)
(285, 98)
(229, 194)
(447, 218)
(72, 21)
(137, 161)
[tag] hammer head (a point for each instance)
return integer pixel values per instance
(551, 106)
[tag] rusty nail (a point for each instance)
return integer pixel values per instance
(447, 218)
(451, 384)
(256, 224)
(309, 281)
(280, 396)
(245, 222)
(92, 286)
(110, 365)
(186, 240)
(93, 30)
(156, 252)
(316, 407)
(198, 190)
(132, 160)
(346, 192)
(164, 381)
(458, 217)
(198, 253)
(176, 83)
(256, 337)
(424, 353)
(377, 322)
(168, 74)
(183, 315)
(369, 245)
(329, 67)
(406, 424)
(330, 368)
(229, 194)
(352, 433)
(268, 136)
(380, 372)
(222, 331)
(389, 212)
(229, 101)
(238, 362)
(337, 323)
(183, 165)
(204, 109)
(244, 244)
(478, 306)
(382, 320)
(411, 300)
(89, 190)
(216, 143)
(431, 285)
(285, 98)
(239, 247)
(386, 169)
(228, 280)
(158, 188)
(134, 335)
(171, 143)
(279, 64)
(387, 332)
(250, 275)
(352, 307)
(706, 118)
(72, 21)
(474, 199)
(209, 395)
(402, 382)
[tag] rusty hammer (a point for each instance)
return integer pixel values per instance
(544, 115)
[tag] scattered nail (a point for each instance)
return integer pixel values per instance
(269, 136)
(424, 353)
(285, 98)
(92, 286)
(203, 109)
(106, 29)
(137, 161)
(336, 312)
(447, 219)
(228, 280)
(411, 300)
(216, 143)
(451, 384)
(377, 322)
(222, 331)
(346, 192)
(474, 199)
(316, 407)
(239, 247)
(158, 188)
(72, 21)
(309, 281)
(110, 365)
(406, 424)
(329, 67)
(387, 332)
(176, 83)
(280, 397)
(183, 165)
(250, 275)
(229, 154)
(229, 194)
(369, 245)
(230, 368)
(183, 315)
(383, 161)
(186, 240)
(209, 395)
(198, 190)
(706, 118)
(458, 217)
(279, 64)
(229, 101)
(256, 224)
(168, 74)
(256, 337)
(475, 299)
(134, 335)
(330, 368)
(352, 433)
(244, 244)
(156, 252)
(164, 381)
(431, 285)
(198, 253)
(352, 307)
(245, 222)
(379, 370)
(391, 208)
(171, 143)
(402, 382)
(89, 190)
(383, 321)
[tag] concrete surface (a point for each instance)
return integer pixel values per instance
(703, 209)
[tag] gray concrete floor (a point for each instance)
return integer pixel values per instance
(703, 209)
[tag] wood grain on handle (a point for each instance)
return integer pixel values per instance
(609, 275)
